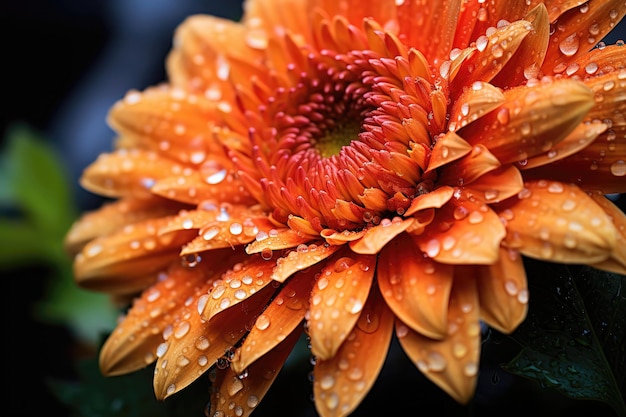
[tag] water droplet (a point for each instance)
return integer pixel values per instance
(252, 401)
(190, 260)
(470, 369)
(436, 361)
(433, 247)
(343, 264)
(481, 43)
(235, 228)
(459, 350)
(262, 322)
(327, 382)
(475, 217)
(618, 168)
(569, 45)
(511, 287)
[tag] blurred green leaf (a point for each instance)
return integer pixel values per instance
(573, 338)
(129, 395)
(37, 182)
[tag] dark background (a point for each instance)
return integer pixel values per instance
(64, 63)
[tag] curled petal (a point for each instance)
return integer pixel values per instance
(532, 120)
(447, 149)
(503, 292)
(340, 383)
(337, 299)
(497, 185)
(452, 362)
(434, 199)
(242, 393)
(378, 236)
(469, 168)
(465, 231)
(472, 104)
(415, 288)
(301, 258)
(558, 222)
(281, 238)
(133, 344)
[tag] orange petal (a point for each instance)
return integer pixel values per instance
(447, 149)
(276, 239)
(378, 236)
(122, 261)
(578, 139)
(465, 231)
(341, 382)
(281, 317)
(195, 344)
(337, 298)
(451, 363)
(248, 278)
(194, 187)
(415, 288)
(557, 7)
(168, 121)
(333, 237)
(116, 215)
(491, 54)
(434, 199)
(617, 261)
(127, 173)
(578, 32)
(239, 394)
(503, 292)
(532, 120)
(302, 258)
(497, 185)
(469, 168)
(490, 14)
(417, 18)
(133, 344)
(558, 222)
(469, 106)
(527, 60)
(598, 61)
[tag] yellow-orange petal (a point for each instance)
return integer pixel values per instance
(281, 317)
(447, 149)
(578, 31)
(378, 236)
(452, 362)
(127, 173)
(249, 278)
(497, 185)
(617, 261)
(558, 222)
(533, 119)
(337, 299)
(434, 199)
(241, 393)
(465, 231)
(123, 261)
(416, 289)
(303, 257)
(340, 383)
(116, 215)
(503, 292)
(598, 61)
(133, 344)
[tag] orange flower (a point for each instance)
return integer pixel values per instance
(349, 169)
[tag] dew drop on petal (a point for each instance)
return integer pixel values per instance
(569, 45)
(436, 362)
(262, 322)
(618, 168)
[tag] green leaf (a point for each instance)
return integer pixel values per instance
(573, 338)
(129, 395)
(36, 181)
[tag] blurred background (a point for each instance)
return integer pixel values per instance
(65, 63)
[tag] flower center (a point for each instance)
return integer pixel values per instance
(336, 138)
